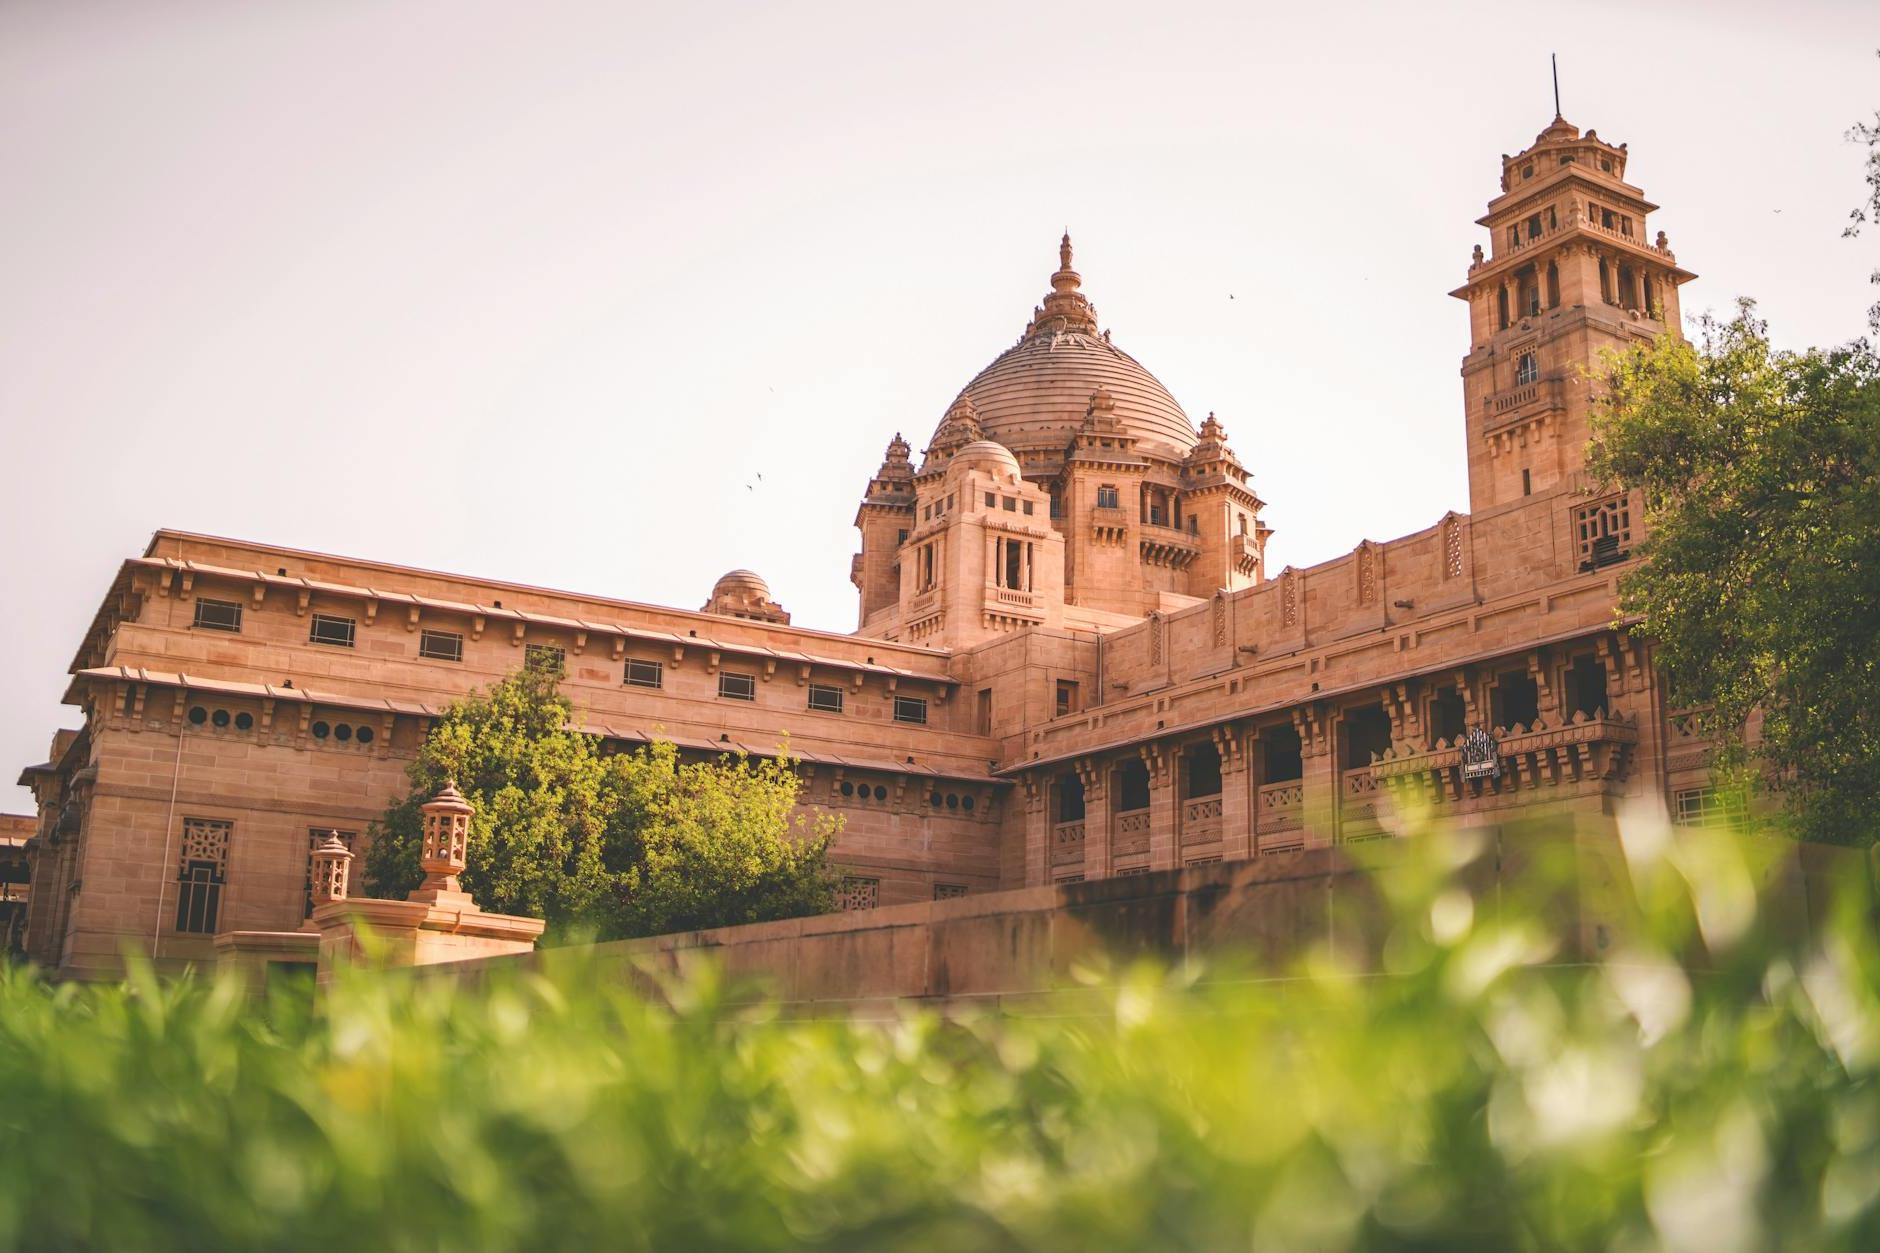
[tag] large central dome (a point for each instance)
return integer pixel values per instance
(1034, 396)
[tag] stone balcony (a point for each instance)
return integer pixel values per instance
(1166, 546)
(1244, 554)
(1067, 846)
(1511, 417)
(1108, 524)
(1589, 753)
(1131, 841)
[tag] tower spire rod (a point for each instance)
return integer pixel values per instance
(1554, 57)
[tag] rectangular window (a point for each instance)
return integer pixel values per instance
(1066, 697)
(1604, 531)
(552, 656)
(218, 615)
(948, 891)
(984, 719)
(992, 500)
(857, 892)
(910, 709)
(1107, 497)
(733, 686)
(201, 871)
(645, 673)
(825, 697)
(1009, 504)
(1028, 506)
(1526, 369)
(329, 629)
(440, 645)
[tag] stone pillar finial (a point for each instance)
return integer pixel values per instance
(332, 869)
(446, 838)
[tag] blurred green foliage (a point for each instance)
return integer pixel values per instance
(615, 846)
(1710, 1085)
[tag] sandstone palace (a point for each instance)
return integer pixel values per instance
(1072, 659)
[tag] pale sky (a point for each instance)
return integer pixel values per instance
(535, 290)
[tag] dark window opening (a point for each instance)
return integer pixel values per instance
(1501, 298)
(1527, 369)
(910, 709)
(1067, 798)
(1516, 701)
(1586, 686)
(440, 645)
(199, 898)
(1201, 771)
(1527, 481)
(825, 697)
(733, 686)
(1066, 697)
(328, 629)
(1107, 497)
(1447, 716)
(1279, 755)
(1553, 285)
(218, 615)
(1367, 732)
(1132, 787)
(983, 720)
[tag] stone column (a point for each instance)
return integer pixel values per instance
(1037, 829)
(1164, 806)
(1098, 824)
(1319, 781)
(1236, 794)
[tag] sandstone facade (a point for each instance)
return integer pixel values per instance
(1072, 661)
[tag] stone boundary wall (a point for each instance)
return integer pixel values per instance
(1019, 949)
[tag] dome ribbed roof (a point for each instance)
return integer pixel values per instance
(1035, 394)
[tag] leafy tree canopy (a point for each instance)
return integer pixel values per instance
(623, 845)
(1760, 476)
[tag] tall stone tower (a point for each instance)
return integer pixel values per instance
(1571, 270)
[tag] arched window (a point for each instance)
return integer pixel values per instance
(1605, 281)
(1501, 298)
(1067, 799)
(1628, 289)
(1201, 771)
(1553, 285)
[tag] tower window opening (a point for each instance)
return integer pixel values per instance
(1514, 237)
(1605, 281)
(1553, 218)
(983, 713)
(1534, 226)
(1243, 523)
(1066, 697)
(1628, 288)
(1527, 481)
(1009, 504)
(1502, 307)
(1651, 297)
(1057, 502)
(1107, 497)
(1553, 285)
(1526, 369)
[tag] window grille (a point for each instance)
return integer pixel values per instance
(218, 615)
(948, 891)
(201, 871)
(1604, 530)
(733, 686)
(440, 645)
(857, 892)
(553, 656)
(1705, 806)
(645, 673)
(330, 629)
(315, 837)
(825, 698)
(1452, 548)
(910, 709)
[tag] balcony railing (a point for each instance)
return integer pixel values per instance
(1280, 807)
(1067, 843)
(1015, 598)
(1132, 833)
(1358, 802)
(1167, 546)
(1588, 752)
(1244, 553)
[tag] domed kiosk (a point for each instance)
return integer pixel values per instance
(1146, 512)
(744, 594)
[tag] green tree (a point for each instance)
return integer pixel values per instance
(622, 845)
(1760, 477)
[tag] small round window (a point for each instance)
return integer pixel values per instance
(342, 733)
(198, 715)
(953, 800)
(934, 799)
(243, 721)
(848, 789)
(220, 718)
(365, 735)
(881, 793)
(321, 730)
(966, 803)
